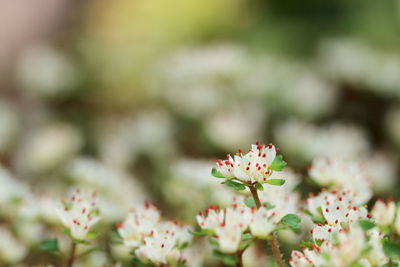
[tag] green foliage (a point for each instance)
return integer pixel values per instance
(249, 202)
(391, 249)
(277, 164)
(228, 259)
(366, 224)
(183, 246)
(259, 186)
(278, 182)
(268, 205)
(216, 173)
(201, 233)
(292, 221)
(49, 245)
(91, 235)
(235, 185)
(247, 236)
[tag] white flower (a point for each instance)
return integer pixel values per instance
(253, 166)
(139, 223)
(343, 176)
(343, 248)
(159, 249)
(263, 222)
(79, 214)
(298, 259)
(384, 213)
(11, 250)
(228, 238)
(336, 207)
(227, 224)
(213, 219)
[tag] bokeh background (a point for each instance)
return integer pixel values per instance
(136, 99)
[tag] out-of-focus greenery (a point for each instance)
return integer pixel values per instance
(136, 99)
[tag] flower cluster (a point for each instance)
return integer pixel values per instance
(154, 240)
(343, 176)
(343, 234)
(79, 214)
(255, 166)
(229, 224)
(387, 215)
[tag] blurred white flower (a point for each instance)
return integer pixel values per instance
(263, 222)
(336, 207)
(79, 214)
(341, 175)
(196, 81)
(11, 250)
(381, 170)
(117, 188)
(233, 127)
(49, 147)
(120, 140)
(160, 248)
(47, 71)
(304, 141)
(139, 223)
(357, 63)
(345, 248)
(384, 212)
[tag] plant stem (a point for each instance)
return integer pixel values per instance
(274, 241)
(239, 262)
(71, 258)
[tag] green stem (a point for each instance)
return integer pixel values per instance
(274, 241)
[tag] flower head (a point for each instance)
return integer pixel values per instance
(254, 166)
(79, 214)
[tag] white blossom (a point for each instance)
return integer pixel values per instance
(384, 213)
(79, 214)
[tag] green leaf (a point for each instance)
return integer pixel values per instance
(183, 246)
(249, 202)
(247, 236)
(391, 249)
(366, 224)
(291, 220)
(277, 164)
(259, 186)
(91, 235)
(67, 232)
(236, 186)
(201, 233)
(49, 245)
(268, 205)
(216, 173)
(213, 241)
(229, 260)
(275, 181)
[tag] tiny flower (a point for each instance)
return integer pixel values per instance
(160, 248)
(80, 214)
(139, 223)
(263, 222)
(343, 176)
(336, 207)
(384, 213)
(229, 238)
(253, 166)
(227, 224)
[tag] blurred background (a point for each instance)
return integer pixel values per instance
(138, 98)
